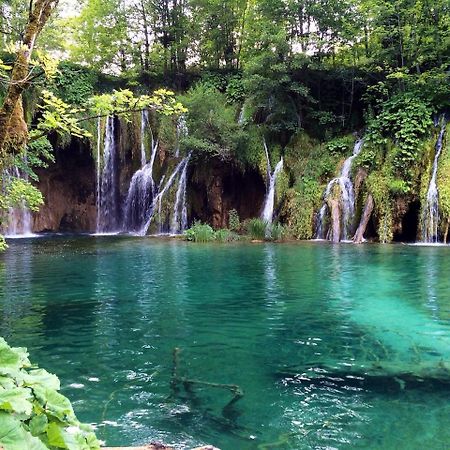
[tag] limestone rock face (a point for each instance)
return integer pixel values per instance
(218, 186)
(68, 186)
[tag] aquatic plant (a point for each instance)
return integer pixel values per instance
(33, 414)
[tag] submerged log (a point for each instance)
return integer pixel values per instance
(367, 213)
(380, 377)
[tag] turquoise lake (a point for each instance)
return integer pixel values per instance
(334, 347)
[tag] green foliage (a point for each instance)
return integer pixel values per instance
(20, 193)
(124, 102)
(58, 116)
(299, 207)
(378, 184)
(39, 154)
(200, 232)
(33, 414)
(277, 232)
(3, 244)
(211, 121)
(75, 84)
(443, 179)
(340, 146)
(256, 229)
(224, 235)
(406, 118)
(234, 223)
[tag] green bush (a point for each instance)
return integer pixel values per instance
(212, 123)
(256, 229)
(224, 235)
(33, 414)
(200, 232)
(277, 232)
(234, 223)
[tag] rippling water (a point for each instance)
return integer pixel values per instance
(333, 346)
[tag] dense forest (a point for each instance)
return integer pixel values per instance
(303, 80)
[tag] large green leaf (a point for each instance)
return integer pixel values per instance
(13, 435)
(38, 425)
(17, 400)
(42, 378)
(55, 404)
(12, 359)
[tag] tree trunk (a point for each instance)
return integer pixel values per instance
(38, 17)
(367, 213)
(335, 221)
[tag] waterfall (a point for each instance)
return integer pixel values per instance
(157, 200)
(430, 214)
(346, 200)
(19, 218)
(108, 194)
(142, 188)
(267, 214)
(179, 219)
(182, 131)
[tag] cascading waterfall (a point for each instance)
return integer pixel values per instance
(157, 200)
(267, 214)
(430, 214)
(142, 188)
(107, 194)
(346, 200)
(179, 218)
(19, 219)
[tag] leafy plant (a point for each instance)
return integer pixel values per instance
(224, 235)
(200, 232)
(405, 118)
(256, 228)
(33, 414)
(277, 232)
(234, 222)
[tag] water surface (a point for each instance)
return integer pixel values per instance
(333, 346)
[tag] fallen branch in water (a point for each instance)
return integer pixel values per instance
(188, 382)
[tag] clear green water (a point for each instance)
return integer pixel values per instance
(106, 313)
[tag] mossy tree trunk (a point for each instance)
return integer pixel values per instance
(367, 213)
(39, 13)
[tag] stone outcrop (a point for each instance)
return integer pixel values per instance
(217, 187)
(68, 186)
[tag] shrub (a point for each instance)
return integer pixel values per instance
(234, 223)
(256, 228)
(33, 414)
(199, 232)
(277, 232)
(224, 235)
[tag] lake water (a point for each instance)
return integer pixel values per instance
(333, 346)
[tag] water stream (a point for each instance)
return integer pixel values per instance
(19, 218)
(108, 211)
(143, 189)
(269, 202)
(345, 201)
(179, 218)
(430, 212)
(156, 207)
